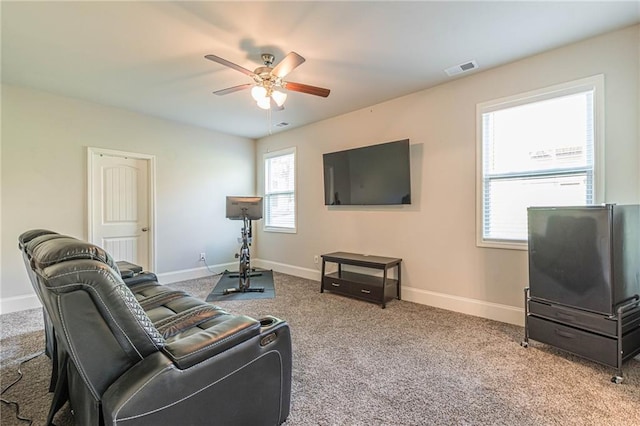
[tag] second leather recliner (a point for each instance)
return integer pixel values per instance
(161, 358)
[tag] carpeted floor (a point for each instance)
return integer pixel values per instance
(357, 364)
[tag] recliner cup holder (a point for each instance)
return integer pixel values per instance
(267, 322)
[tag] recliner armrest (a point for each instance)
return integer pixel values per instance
(155, 391)
(190, 350)
(142, 277)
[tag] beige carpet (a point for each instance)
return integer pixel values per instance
(357, 364)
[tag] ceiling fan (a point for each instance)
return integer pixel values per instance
(267, 80)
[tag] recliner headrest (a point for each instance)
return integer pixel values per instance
(32, 244)
(48, 251)
(27, 236)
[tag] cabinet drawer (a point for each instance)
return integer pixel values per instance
(583, 343)
(573, 317)
(336, 285)
(366, 291)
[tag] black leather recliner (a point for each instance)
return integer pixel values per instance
(141, 283)
(162, 357)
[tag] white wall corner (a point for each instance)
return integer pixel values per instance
(464, 305)
(19, 303)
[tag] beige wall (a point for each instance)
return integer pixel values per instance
(43, 170)
(436, 235)
(44, 159)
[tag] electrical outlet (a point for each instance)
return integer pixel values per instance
(202, 257)
(315, 259)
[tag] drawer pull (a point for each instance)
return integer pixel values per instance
(335, 284)
(366, 291)
(564, 316)
(565, 334)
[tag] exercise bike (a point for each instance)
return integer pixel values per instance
(245, 209)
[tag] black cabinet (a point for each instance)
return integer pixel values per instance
(367, 287)
(584, 281)
(585, 334)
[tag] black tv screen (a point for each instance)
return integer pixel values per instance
(371, 175)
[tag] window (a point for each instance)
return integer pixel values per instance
(541, 148)
(280, 191)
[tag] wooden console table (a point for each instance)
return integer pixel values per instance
(371, 288)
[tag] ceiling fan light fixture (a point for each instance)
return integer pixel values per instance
(264, 103)
(267, 78)
(279, 97)
(258, 93)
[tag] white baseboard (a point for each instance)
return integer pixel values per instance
(296, 271)
(464, 305)
(479, 308)
(19, 303)
(191, 274)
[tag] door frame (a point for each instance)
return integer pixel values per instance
(151, 178)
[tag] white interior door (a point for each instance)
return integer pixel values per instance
(120, 210)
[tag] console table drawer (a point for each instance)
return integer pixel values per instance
(337, 285)
(365, 291)
(351, 284)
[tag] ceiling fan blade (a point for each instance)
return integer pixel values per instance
(224, 62)
(305, 88)
(232, 89)
(288, 64)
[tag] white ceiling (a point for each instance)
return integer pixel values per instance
(149, 56)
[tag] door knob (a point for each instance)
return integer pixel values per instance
(145, 229)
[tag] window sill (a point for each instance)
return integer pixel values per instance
(280, 230)
(508, 245)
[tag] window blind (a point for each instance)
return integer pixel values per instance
(280, 196)
(539, 153)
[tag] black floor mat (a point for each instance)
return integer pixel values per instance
(231, 280)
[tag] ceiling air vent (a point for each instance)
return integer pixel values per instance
(467, 66)
(282, 124)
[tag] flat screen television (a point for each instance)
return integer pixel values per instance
(371, 175)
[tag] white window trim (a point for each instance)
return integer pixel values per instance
(595, 83)
(278, 153)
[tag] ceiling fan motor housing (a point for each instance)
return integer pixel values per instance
(268, 59)
(265, 78)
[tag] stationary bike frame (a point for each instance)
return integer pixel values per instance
(244, 270)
